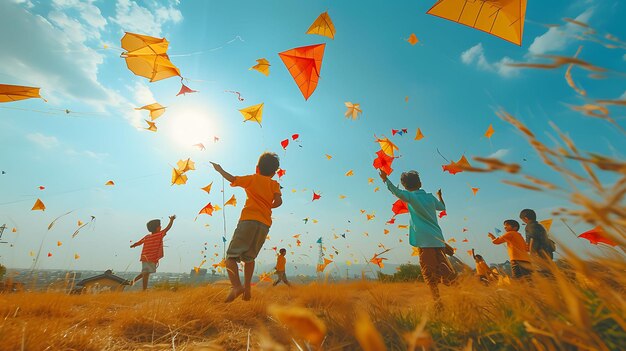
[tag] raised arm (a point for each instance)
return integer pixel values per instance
(401, 194)
(224, 174)
(440, 196)
(169, 225)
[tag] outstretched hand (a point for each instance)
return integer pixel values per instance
(217, 166)
(491, 236)
(439, 193)
(172, 217)
(383, 175)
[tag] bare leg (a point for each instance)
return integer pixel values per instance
(137, 278)
(248, 270)
(145, 277)
(235, 282)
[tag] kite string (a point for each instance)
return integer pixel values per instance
(210, 50)
(224, 218)
(439, 152)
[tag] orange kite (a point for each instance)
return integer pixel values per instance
(10, 93)
(304, 64)
(501, 18)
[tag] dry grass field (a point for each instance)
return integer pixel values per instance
(585, 312)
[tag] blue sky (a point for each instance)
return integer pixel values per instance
(455, 78)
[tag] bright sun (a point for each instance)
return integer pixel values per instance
(189, 126)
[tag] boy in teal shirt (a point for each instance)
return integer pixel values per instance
(425, 233)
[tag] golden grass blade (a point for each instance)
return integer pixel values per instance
(301, 321)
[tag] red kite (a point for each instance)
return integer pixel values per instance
(316, 196)
(442, 214)
(304, 64)
(399, 207)
(284, 144)
(383, 162)
(456, 167)
(597, 235)
(208, 209)
(280, 172)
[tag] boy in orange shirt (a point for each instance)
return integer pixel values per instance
(152, 250)
(517, 249)
(281, 261)
(263, 194)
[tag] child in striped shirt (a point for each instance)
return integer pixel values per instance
(152, 250)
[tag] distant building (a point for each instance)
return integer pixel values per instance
(101, 283)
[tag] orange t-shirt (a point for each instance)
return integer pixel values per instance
(515, 244)
(482, 268)
(280, 263)
(260, 192)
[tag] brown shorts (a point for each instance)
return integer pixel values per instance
(247, 241)
(435, 265)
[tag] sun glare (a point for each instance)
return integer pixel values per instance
(189, 126)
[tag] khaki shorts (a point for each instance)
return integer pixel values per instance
(247, 241)
(436, 267)
(148, 267)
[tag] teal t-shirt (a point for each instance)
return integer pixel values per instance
(424, 228)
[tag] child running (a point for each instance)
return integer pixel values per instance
(152, 250)
(425, 233)
(517, 249)
(263, 194)
(281, 261)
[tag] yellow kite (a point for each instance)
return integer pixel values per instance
(412, 39)
(151, 126)
(178, 177)
(186, 165)
(501, 18)
(546, 223)
(419, 135)
(322, 26)
(387, 146)
(263, 66)
(253, 113)
(156, 110)
(147, 57)
(354, 110)
(10, 93)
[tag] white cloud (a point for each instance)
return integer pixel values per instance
(135, 18)
(41, 57)
(500, 154)
(26, 3)
(89, 12)
(623, 97)
(558, 38)
(142, 93)
(476, 56)
(51, 142)
(47, 142)
(85, 153)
